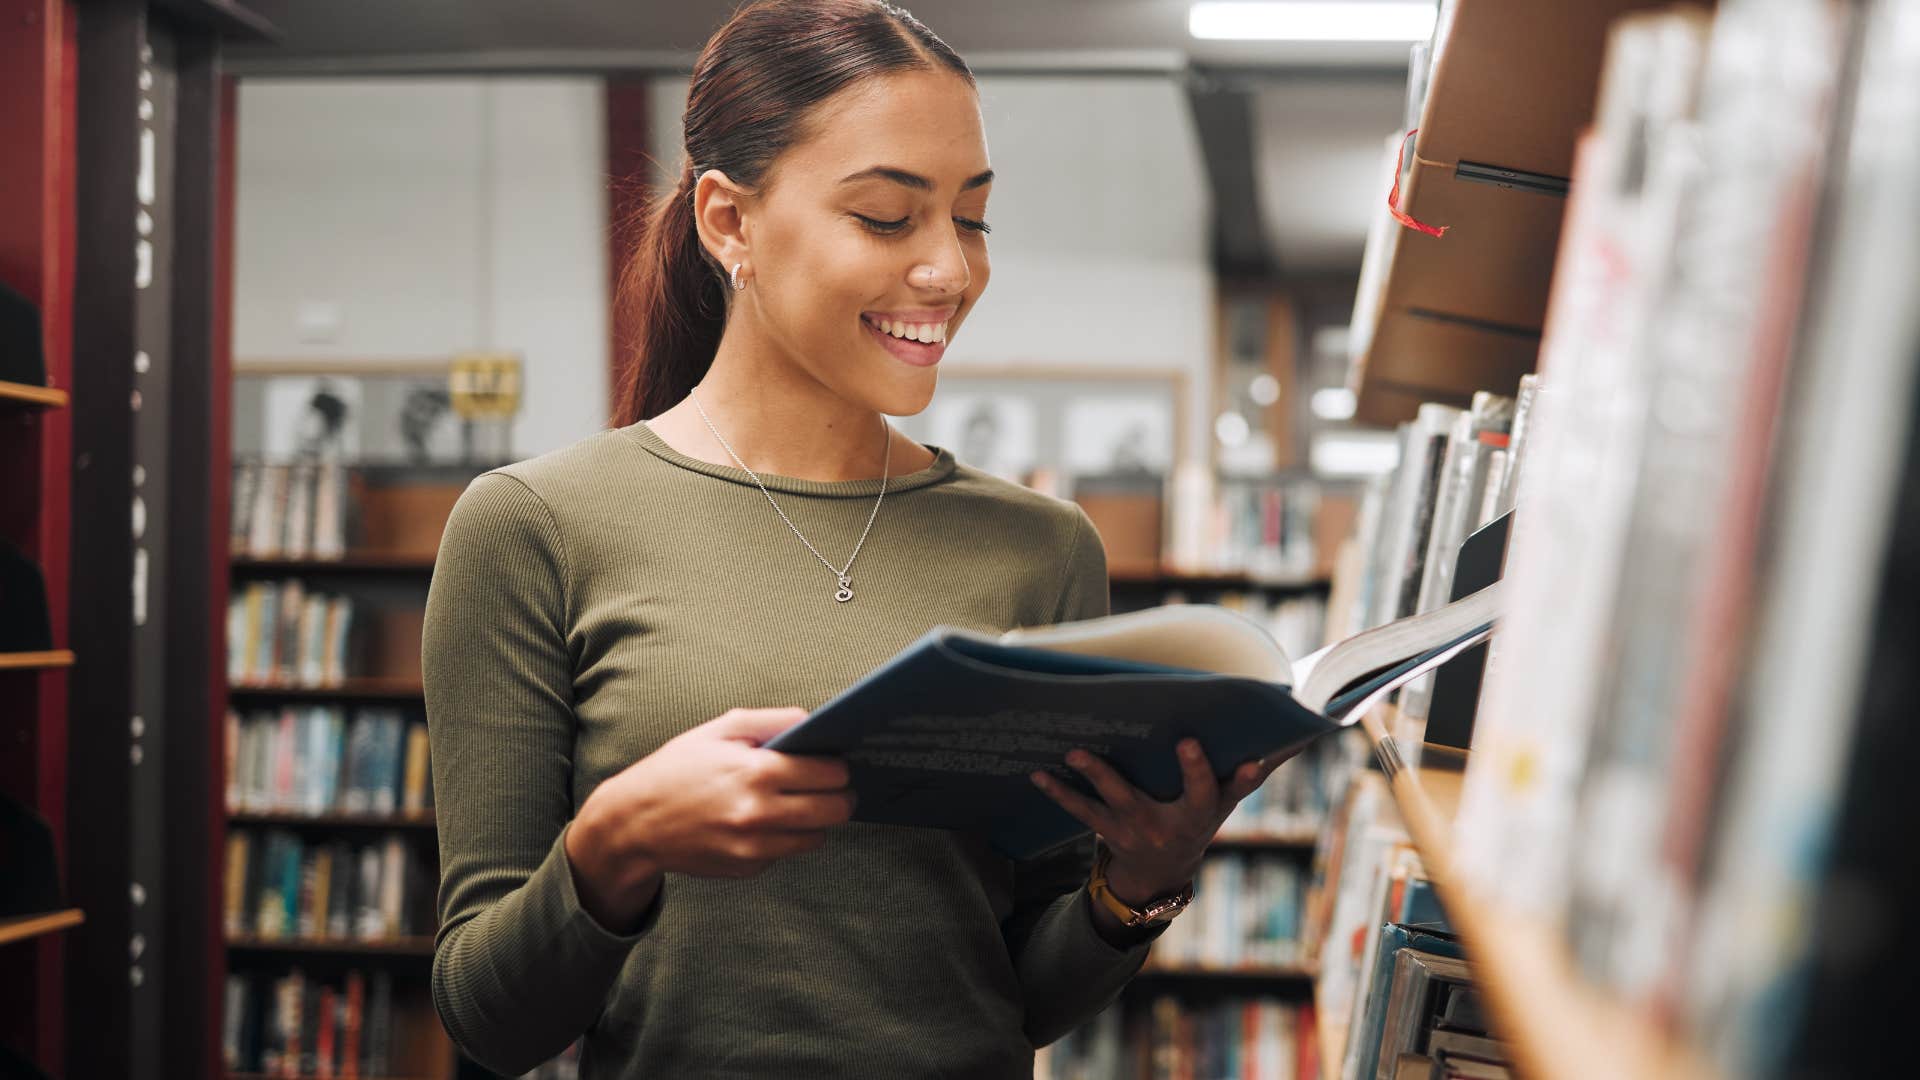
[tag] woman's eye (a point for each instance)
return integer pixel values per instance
(882, 227)
(888, 228)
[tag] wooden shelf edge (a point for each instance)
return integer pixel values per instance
(20, 661)
(1289, 972)
(46, 397)
(422, 819)
(22, 927)
(1556, 1026)
(1259, 841)
(417, 945)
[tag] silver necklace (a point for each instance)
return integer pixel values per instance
(845, 592)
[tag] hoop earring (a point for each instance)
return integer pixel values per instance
(734, 277)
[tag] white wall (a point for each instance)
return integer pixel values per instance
(442, 214)
(415, 218)
(1100, 215)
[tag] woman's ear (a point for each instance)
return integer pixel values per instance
(719, 215)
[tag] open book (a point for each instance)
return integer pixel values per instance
(946, 733)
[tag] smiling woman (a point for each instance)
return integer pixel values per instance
(614, 628)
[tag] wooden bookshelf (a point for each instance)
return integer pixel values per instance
(365, 563)
(15, 395)
(1170, 579)
(1556, 1026)
(22, 927)
(1301, 840)
(293, 819)
(303, 1076)
(416, 946)
(358, 688)
(21, 661)
(1278, 973)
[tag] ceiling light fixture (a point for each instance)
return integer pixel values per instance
(1313, 20)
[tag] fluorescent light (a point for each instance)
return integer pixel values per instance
(1313, 20)
(1332, 403)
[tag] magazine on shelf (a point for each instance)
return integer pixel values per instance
(947, 733)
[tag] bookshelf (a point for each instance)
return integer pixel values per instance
(26, 927)
(1556, 1027)
(16, 397)
(37, 248)
(1451, 314)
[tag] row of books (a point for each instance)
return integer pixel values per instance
(1264, 530)
(1170, 1038)
(1390, 967)
(1298, 797)
(1712, 536)
(1297, 623)
(291, 510)
(1245, 914)
(294, 1025)
(317, 760)
(285, 633)
(1456, 473)
(280, 886)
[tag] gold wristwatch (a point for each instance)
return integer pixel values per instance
(1158, 910)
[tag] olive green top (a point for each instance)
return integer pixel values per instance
(591, 603)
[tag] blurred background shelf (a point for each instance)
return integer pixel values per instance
(295, 820)
(23, 660)
(1555, 1026)
(21, 396)
(413, 947)
(22, 927)
(363, 688)
(382, 563)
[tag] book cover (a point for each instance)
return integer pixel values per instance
(947, 733)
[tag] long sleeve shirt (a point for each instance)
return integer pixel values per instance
(588, 605)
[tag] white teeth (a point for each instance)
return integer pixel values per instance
(926, 333)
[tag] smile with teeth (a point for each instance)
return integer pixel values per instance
(926, 333)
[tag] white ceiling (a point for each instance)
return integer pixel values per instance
(1293, 153)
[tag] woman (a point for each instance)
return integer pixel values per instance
(609, 623)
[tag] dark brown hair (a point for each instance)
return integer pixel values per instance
(752, 91)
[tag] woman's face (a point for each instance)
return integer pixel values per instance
(875, 216)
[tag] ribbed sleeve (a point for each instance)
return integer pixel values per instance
(1067, 971)
(519, 969)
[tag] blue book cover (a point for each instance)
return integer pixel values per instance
(946, 733)
(1393, 938)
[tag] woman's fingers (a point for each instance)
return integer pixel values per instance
(1119, 795)
(1085, 810)
(1199, 790)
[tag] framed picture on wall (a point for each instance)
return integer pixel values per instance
(1052, 426)
(370, 412)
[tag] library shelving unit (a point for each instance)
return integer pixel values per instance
(422, 1050)
(1451, 314)
(1555, 1026)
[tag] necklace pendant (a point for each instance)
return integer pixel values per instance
(845, 592)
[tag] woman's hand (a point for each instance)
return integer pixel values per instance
(1157, 846)
(710, 802)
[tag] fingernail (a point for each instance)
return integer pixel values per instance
(1077, 758)
(1190, 750)
(1039, 779)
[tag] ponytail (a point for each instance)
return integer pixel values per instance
(678, 305)
(753, 86)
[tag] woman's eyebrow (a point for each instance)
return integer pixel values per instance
(912, 180)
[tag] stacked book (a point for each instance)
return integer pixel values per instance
(295, 510)
(284, 633)
(315, 760)
(295, 1025)
(1245, 915)
(1246, 1039)
(281, 887)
